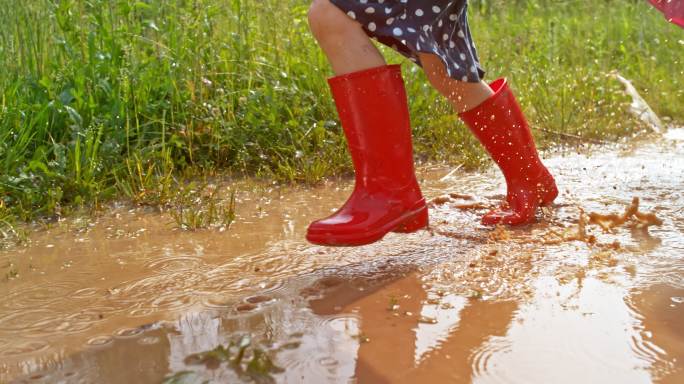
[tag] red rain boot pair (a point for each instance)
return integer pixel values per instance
(373, 110)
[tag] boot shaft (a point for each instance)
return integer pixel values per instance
(373, 110)
(374, 114)
(501, 127)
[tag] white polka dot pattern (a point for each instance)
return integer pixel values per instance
(439, 27)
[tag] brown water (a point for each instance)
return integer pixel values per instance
(125, 298)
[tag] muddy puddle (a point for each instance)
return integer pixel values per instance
(577, 298)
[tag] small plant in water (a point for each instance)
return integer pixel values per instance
(393, 304)
(12, 273)
(194, 208)
(248, 361)
(10, 233)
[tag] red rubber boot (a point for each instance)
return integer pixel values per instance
(373, 110)
(501, 127)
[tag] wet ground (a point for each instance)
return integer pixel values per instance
(577, 298)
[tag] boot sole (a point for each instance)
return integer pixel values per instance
(411, 221)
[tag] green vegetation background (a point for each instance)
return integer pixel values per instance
(107, 98)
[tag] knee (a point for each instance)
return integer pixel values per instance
(325, 19)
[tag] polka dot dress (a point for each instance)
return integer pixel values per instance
(439, 27)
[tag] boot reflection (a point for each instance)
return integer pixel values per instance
(401, 344)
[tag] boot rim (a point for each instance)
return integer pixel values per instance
(499, 86)
(364, 73)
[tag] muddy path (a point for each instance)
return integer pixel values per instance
(577, 298)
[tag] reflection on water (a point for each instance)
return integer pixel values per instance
(567, 337)
(127, 299)
(659, 338)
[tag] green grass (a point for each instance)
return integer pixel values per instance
(110, 98)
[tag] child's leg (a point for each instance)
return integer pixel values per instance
(342, 39)
(494, 117)
(372, 106)
(462, 95)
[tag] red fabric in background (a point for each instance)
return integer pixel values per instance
(673, 10)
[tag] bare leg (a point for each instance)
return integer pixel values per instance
(344, 42)
(349, 49)
(463, 96)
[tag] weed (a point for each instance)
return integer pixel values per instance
(199, 207)
(12, 272)
(393, 304)
(247, 360)
(10, 233)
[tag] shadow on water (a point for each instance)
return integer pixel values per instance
(457, 303)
